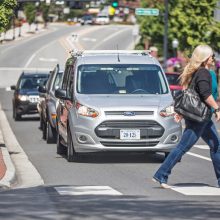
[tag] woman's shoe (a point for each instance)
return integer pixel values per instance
(162, 185)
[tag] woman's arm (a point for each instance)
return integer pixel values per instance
(212, 103)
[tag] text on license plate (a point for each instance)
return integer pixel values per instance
(130, 134)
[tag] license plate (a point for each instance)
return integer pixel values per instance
(33, 99)
(130, 134)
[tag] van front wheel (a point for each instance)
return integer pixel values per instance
(71, 154)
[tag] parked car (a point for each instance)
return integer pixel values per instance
(87, 19)
(173, 80)
(114, 101)
(26, 95)
(47, 105)
(102, 19)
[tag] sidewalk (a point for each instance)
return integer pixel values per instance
(19, 33)
(7, 168)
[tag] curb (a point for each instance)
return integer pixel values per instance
(9, 178)
(27, 174)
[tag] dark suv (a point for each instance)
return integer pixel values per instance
(47, 105)
(26, 93)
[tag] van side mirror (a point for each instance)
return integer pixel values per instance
(42, 89)
(13, 87)
(60, 94)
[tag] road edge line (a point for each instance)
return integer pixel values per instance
(19, 159)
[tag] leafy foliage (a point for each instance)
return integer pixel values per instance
(191, 22)
(30, 12)
(6, 12)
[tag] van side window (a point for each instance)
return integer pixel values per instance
(70, 83)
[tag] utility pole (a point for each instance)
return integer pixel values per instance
(165, 38)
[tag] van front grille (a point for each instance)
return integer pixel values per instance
(129, 144)
(111, 129)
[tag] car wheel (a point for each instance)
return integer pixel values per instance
(16, 116)
(41, 122)
(61, 149)
(44, 130)
(50, 133)
(71, 154)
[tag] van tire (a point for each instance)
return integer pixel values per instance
(44, 130)
(61, 149)
(71, 154)
(50, 133)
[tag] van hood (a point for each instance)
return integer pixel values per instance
(113, 101)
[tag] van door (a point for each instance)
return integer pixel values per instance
(66, 104)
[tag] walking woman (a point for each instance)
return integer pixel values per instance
(198, 67)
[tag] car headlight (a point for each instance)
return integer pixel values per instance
(86, 111)
(23, 97)
(167, 112)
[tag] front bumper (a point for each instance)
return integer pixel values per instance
(23, 108)
(86, 139)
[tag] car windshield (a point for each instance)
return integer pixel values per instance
(173, 79)
(33, 81)
(121, 79)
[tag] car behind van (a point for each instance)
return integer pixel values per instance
(115, 101)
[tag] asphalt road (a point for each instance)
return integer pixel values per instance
(126, 176)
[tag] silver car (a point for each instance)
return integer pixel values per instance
(115, 101)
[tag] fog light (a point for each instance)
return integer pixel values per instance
(82, 138)
(174, 138)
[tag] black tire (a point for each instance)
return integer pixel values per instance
(71, 154)
(16, 116)
(61, 149)
(41, 122)
(44, 130)
(166, 154)
(50, 133)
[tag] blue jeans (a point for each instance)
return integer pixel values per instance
(193, 131)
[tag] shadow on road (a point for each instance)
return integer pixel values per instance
(45, 203)
(118, 157)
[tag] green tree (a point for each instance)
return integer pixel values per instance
(30, 12)
(44, 8)
(191, 22)
(6, 12)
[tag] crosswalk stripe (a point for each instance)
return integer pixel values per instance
(197, 190)
(203, 147)
(199, 156)
(86, 190)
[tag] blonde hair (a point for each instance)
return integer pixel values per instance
(200, 54)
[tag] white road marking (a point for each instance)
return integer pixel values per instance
(199, 156)
(109, 37)
(30, 60)
(203, 147)
(89, 39)
(115, 34)
(8, 88)
(197, 190)
(34, 54)
(48, 59)
(87, 190)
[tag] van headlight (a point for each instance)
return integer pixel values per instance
(167, 111)
(86, 111)
(23, 97)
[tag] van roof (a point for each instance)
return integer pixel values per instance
(116, 57)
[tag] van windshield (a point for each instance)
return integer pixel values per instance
(121, 79)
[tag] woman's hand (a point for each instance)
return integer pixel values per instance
(217, 116)
(178, 118)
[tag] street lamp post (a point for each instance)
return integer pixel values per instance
(165, 38)
(175, 44)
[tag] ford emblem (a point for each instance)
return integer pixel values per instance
(129, 113)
